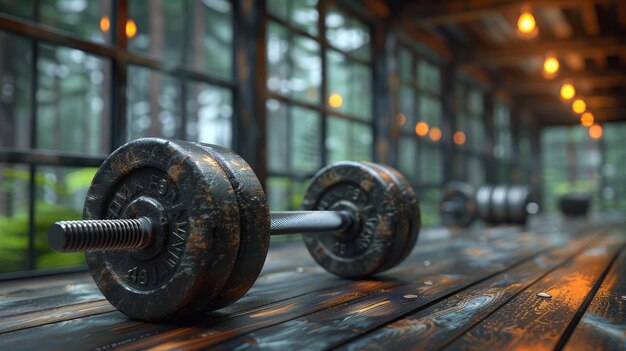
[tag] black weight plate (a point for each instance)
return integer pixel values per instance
(403, 234)
(354, 187)
(462, 197)
(195, 213)
(526, 198)
(483, 202)
(414, 215)
(498, 204)
(254, 222)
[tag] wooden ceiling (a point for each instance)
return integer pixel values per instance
(587, 36)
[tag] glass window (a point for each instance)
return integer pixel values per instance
(293, 142)
(157, 29)
(299, 13)
(347, 34)
(60, 193)
(613, 192)
(298, 109)
(428, 76)
(430, 110)
(72, 101)
(197, 33)
(175, 83)
(429, 199)
(285, 194)
(570, 163)
(294, 66)
(210, 28)
(89, 19)
(19, 8)
(154, 107)
(16, 101)
(209, 113)
(407, 158)
(407, 97)
(14, 220)
(353, 83)
(405, 66)
(348, 140)
(502, 126)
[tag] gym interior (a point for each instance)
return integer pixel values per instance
(506, 118)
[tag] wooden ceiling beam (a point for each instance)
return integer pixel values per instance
(515, 53)
(584, 82)
(454, 11)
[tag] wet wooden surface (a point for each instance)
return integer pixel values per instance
(476, 289)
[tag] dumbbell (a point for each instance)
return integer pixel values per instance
(458, 205)
(461, 204)
(174, 227)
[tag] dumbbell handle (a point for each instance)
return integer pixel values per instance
(128, 234)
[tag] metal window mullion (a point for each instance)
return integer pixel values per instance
(321, 33)
(119, 71)
(182, 132)
(31, 258)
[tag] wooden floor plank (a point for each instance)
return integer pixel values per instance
(333, 327)
(433, 327)
(119, 330)
(272, 286)
(445, 279)
(603, 326)
(530, 322)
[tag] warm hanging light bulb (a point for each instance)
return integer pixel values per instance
(335, 100)
(105, 24)
(526, 24)
(550, 66)
(587, 119)
(421, 128)
(579, 106)
(131, 28)
(595, 132)
(567, 91)
(459, 137)
(435, 134)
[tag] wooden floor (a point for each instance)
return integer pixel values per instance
(473, 290)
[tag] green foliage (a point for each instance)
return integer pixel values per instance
(14, 229)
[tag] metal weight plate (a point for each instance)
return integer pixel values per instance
(196, 220)
(405, 208)
(410, 198)
(254, 222)
(526, 198)
(483, 202)
(516, 206)
(461, 196)
(363, 249)
(498, 204)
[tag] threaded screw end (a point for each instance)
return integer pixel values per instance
(98, 235)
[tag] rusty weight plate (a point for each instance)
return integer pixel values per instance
(409, 199)
(364, 248)
(254, 223)
(193, 207)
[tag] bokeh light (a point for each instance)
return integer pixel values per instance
(459, 138)
(335, 100)
(435, 134)
(567, 91)
(587, 119)
(595, 132)
(421, 128)
(579, 106)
